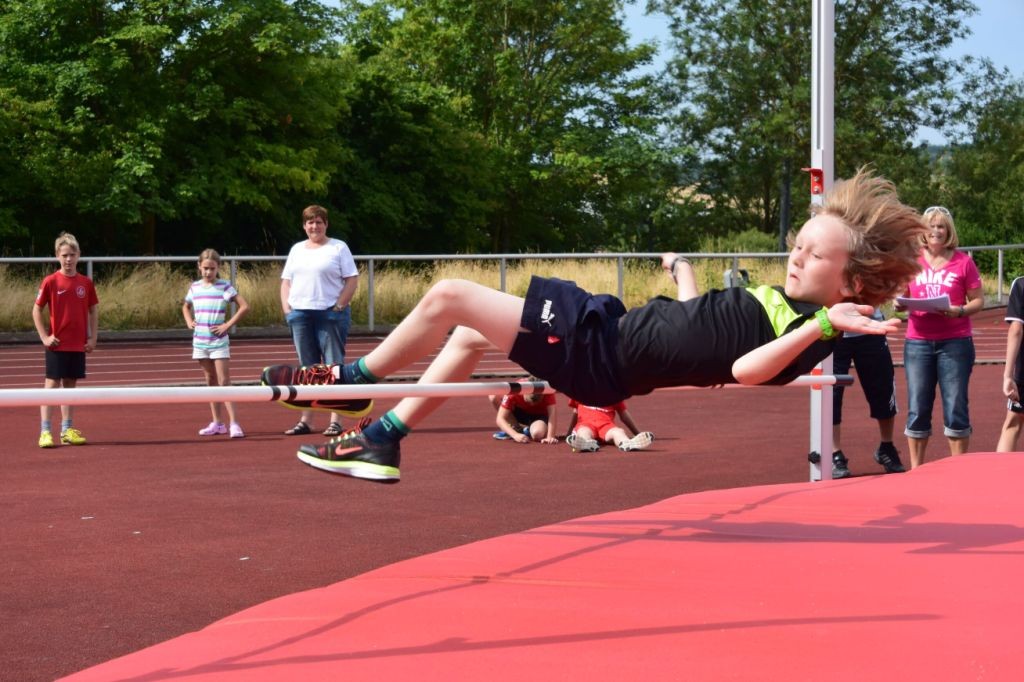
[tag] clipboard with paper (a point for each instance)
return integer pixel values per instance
(935, 304)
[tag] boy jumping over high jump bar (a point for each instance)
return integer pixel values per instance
(857, 251)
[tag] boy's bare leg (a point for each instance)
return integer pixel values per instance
(616, 436)
(46, 411)
(1010, 433)
(538, 430)
(483, 318)
(455, 362)
(67, 412)
(449, 303)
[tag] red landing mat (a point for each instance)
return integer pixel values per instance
(911, 577)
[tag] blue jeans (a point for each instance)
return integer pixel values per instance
(319, 335)
(948, 363)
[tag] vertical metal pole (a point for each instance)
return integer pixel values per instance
(370, 300)
(999, 280)
(233, 268)
(823, 160)
(502, 269)
(621, 270)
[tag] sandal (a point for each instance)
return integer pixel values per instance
(334, 429)
(300, 429)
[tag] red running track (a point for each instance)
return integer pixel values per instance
(150, 531)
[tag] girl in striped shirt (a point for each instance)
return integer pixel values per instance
(205, 310)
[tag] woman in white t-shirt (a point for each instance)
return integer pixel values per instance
(317, 284)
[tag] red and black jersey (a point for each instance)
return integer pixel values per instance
(69, 300)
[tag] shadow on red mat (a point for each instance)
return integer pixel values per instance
(751, 584)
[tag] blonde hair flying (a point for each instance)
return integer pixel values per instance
(885, 236)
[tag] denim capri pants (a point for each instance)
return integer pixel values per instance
(947, 363)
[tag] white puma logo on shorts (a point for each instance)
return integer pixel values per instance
(546, 316)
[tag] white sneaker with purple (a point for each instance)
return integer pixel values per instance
(213, 429)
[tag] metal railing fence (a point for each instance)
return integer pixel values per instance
(503, 260)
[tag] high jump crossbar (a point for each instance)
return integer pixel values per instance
(139, 395)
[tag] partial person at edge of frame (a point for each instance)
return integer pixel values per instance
(1013, 372)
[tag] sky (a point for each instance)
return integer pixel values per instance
(997, 30)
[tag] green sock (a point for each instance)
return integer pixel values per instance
(387, 429)
(357, 373)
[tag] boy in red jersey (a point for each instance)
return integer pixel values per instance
(74, 324)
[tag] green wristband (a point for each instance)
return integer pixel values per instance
(827, 332)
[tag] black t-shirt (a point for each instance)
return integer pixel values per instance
(1015, 313)
(695, 342)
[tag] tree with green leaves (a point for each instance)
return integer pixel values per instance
(547, 87)
(414, 181)
(981, 177)
(742, 72)
(140, 123)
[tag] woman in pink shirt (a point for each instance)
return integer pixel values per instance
(939, 348)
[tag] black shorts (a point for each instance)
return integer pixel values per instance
(527, 418)
(571, 340)
(875, 374)
(65, 364)
(1015, 406)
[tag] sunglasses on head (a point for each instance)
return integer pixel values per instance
(941, 209)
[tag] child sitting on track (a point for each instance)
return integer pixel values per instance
(859, 249)
(526, 418)
(591, 426)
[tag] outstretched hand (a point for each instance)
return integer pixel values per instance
(851, 317)
(668, 260)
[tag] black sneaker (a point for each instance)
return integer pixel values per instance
(888, 457)
(839, 465)
(353, 455)
(314, 375)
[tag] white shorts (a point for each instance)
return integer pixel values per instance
(222, 353)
